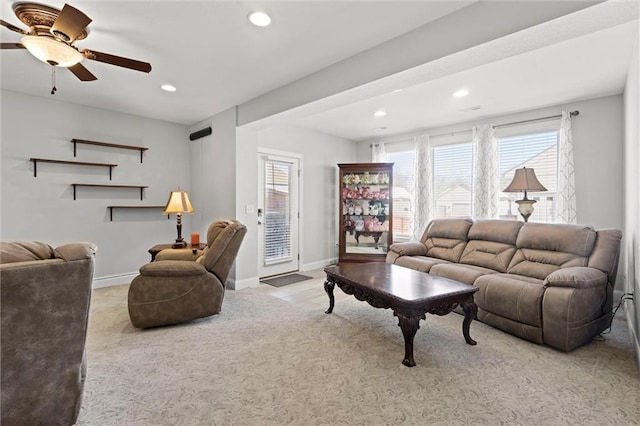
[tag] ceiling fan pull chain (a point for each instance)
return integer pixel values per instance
(53, 80)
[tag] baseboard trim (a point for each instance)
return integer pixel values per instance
(318, 265)
(633, 335)
(111, 280)
(233, 284)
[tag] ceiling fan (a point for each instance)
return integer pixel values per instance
(51, 37)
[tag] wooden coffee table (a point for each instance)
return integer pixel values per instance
(410, 294)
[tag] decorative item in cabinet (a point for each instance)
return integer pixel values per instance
(366, 206)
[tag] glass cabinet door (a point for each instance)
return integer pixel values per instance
(365, 211)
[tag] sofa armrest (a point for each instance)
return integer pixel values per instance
(178, 254)
(576, 277)
(411, 248)
(172, 268)
(76, 251)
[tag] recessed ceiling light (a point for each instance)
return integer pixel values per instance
(379, 113)
(260, 19)
(461, 93)
(168, 88)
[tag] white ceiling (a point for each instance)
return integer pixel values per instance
(209, 50)
(217, 60)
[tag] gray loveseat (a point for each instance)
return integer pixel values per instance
(45, 298)
(547, 283)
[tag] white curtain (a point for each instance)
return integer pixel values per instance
(566, 193)
(423, 206)
(485, 173)
(378, 154)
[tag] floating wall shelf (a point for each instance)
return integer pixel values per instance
(107, 186)
(77, 163)
(111, 145)
(132, 207)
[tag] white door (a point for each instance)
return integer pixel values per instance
(278, 214)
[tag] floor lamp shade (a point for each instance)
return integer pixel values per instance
(525, 180)
(178, 203)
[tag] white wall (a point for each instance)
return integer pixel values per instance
(631, 246)
(42, 208)
(321, 154)
(598, 143)
(213, 165)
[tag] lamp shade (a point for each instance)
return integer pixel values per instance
(51, 51)
(178, 203)
(524, 180)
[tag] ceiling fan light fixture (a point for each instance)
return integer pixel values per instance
(51, 51)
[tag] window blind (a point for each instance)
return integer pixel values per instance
(277, 219)
(453, 166)
(538, 151)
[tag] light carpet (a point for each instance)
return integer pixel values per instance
(265, 361)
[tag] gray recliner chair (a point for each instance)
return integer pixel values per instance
(45, 297)
(182, 286)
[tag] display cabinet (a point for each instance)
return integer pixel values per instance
(366, 206)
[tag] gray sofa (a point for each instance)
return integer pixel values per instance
(547, 283)
(45, 298)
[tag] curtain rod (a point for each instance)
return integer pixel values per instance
(514, 123)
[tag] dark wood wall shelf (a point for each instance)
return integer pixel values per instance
(142, 149)
(93, 185)
(132, 207)
(77, 163)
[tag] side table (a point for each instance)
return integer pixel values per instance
(159, 247)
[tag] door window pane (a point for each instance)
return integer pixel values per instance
(277, 219)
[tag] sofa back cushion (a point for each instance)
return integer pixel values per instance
(25, 251)
(606, 252)
(492, 244)
(446, 238)
(544, 247)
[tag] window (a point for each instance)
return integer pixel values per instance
(452, 168)
(277, 220)
(402, 157)
(538, 151)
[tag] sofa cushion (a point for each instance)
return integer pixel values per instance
(515, 297)
(543, 248)
(419, 263)
(464, 273)
(446, 238)
(25, 251)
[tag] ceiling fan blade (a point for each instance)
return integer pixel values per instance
(82, 73)
(11, 46)
(13, 27)
(69, 24)
(117, 60)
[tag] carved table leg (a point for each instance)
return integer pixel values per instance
(470, 311)
(409, 327)
(328, 287)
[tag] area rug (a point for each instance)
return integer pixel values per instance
(265, 361)
(285, 280)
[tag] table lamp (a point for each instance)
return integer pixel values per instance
(525, 180)
(178, 203)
